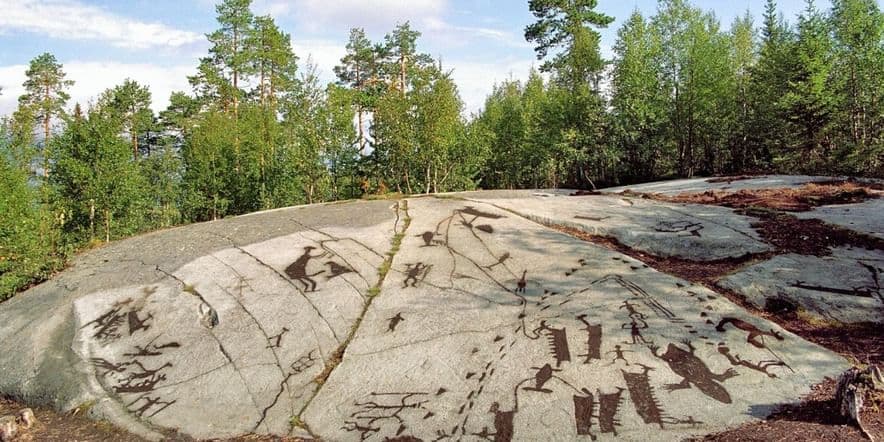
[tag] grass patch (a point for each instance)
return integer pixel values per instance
(335, 358)
(383, 196)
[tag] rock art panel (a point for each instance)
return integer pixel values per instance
(847, 286)
(517, 332)
(230, 343)
(688, 231)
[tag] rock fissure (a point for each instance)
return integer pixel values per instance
(338, 355)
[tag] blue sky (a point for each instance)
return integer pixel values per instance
(158, 42)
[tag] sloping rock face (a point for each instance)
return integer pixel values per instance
(486, 325)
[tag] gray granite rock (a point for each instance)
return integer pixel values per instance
(488, 326)
(846, 287)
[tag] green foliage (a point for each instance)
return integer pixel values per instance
(809, 103)
(130, 102)
(567, 26)
(95, 183)
(45, 97)
(26, 234)
(638, 102)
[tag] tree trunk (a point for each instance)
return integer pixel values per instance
(134, 144)
(107, 223)
(402, 60)
(91, 220)
(46, 120)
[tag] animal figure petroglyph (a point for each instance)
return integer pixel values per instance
(335, 270)
(298, 269)
(522, 283)
(694, 372)
(754, 332)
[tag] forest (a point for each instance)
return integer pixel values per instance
(684, 95)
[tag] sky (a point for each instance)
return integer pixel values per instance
(158, 42)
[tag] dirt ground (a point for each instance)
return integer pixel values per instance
(798, 199)
(53, 426)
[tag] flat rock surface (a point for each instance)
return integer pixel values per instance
(733, 184)
(489, 325)
(865, 217)
(689, 231)
(493, 327)
(847, 286)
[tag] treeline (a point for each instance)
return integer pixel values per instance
(257, 131)
(685, 97)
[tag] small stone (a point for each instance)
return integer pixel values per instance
(8, 428)
(26, 418)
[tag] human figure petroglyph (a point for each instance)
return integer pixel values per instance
(413, 272)
(298, 269)
(276, 340)
(635, 331)
(619, 354)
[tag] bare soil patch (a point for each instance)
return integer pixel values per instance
(730, 179)
(815, 418)
(52, 426)
(806, 236)
(799, 199)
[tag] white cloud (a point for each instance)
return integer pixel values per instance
(72, 20)
(92, 78)
(476, 80)
(374, 16)
(325, 54)
(451, 35)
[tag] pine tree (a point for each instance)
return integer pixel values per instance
(358, 71)
(230, 57)
(859, 77)
(809, 102)
(131, 102)
(45, 96)
(568, 26)
(273, 61)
